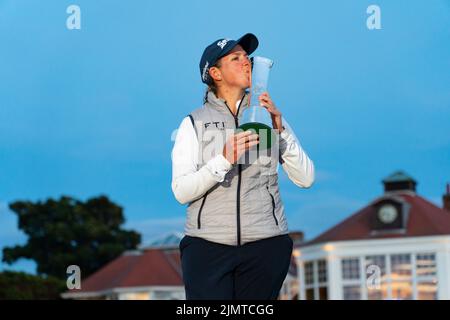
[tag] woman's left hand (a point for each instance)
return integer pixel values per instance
(266, 102)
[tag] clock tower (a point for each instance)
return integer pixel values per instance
(390, 214)
(399, 181)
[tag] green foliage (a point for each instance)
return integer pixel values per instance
(22, 286)
(70, 232)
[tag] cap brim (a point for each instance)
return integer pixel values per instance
(248, 42)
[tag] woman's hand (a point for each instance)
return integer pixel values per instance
(238, 143)
(266, 102)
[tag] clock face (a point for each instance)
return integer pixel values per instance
(387, 213)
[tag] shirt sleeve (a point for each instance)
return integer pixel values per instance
(188, 183)
(294, 160)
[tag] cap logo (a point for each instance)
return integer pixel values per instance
(222, 43)
(205, 70)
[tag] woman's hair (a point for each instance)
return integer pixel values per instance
(212, 86)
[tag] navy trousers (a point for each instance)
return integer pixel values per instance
(253, 271)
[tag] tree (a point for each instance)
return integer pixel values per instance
(19, 286)
(70, 232)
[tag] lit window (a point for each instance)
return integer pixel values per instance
(402, 290)
(401, 285)
(427, 291)
(391, 277)
(400, 266)
(426, 264)
(426, 271)
(376, 278)
(135, 296)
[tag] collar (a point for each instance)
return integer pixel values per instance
(220, 104)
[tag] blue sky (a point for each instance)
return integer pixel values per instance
(92, 111)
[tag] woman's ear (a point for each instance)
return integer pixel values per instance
(215, 73)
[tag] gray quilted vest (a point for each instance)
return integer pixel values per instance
(246, 206)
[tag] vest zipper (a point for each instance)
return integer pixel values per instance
(273, 206)
(238, 195)
(200, 212)
(238, 205)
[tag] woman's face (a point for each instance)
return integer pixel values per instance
(235, 69)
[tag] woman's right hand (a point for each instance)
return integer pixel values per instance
(238, 143)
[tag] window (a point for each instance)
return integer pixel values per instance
(376, 278)
(309, 273)
(352, 292)
(400, 276)
(402, 290)
(134, 296)
(426, 265)
(350, 269)
(427, 290)
(322, 270)
(401, 267)
(316, 277)
(377, 261)
(351, 278)
(426, 274)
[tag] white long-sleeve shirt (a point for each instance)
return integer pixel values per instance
(189, 184)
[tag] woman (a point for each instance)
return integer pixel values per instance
(236, 243)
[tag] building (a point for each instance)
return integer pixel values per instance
(396, 247)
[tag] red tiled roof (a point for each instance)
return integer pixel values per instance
(425, 219)
(153, 267)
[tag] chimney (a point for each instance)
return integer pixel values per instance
(446, 198)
